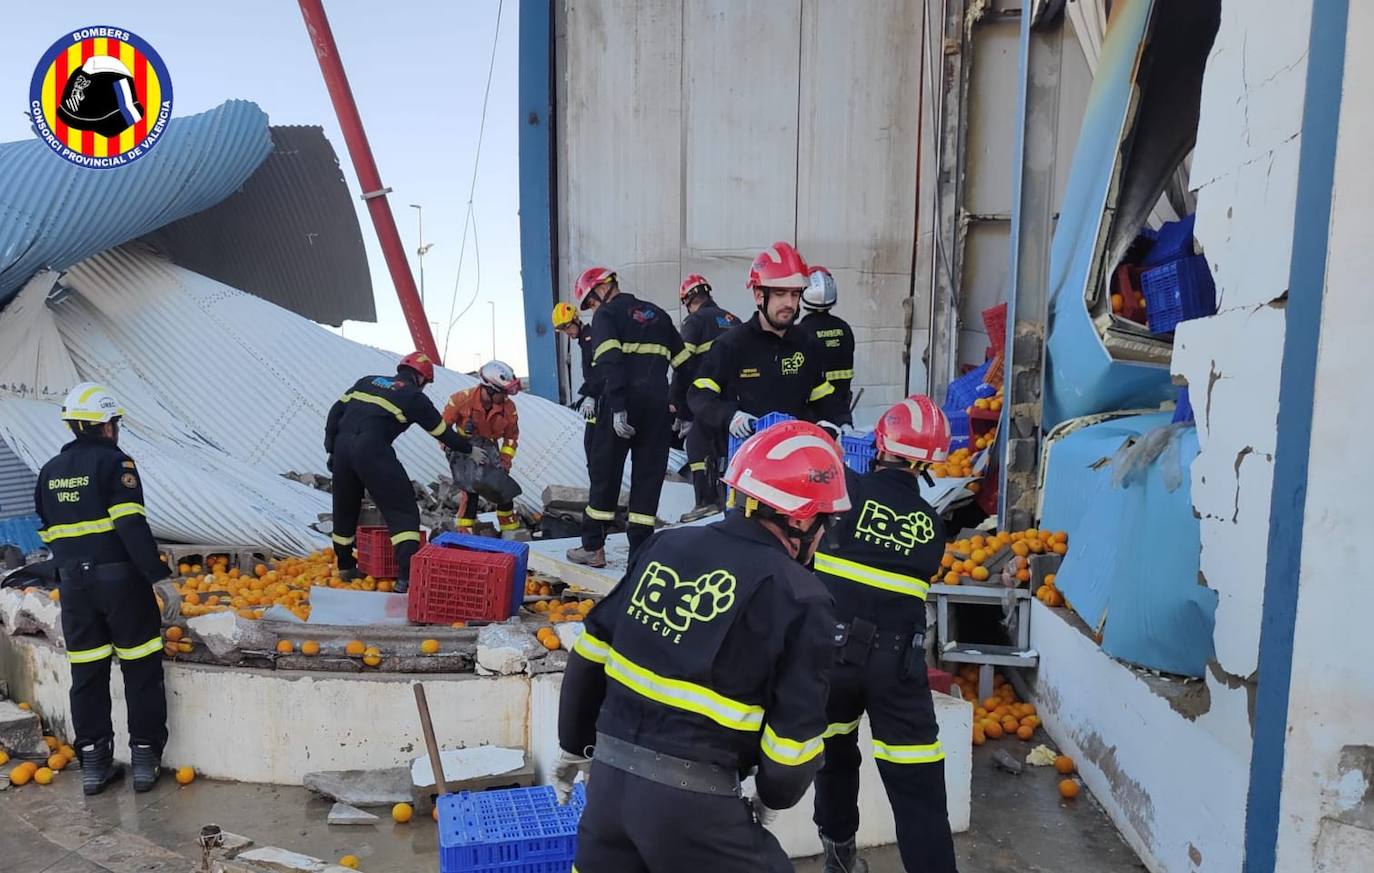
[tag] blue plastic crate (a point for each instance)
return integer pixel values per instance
(513, 830)
(1184, 411)
(859, 451)
(1173, 241)
(968, 388)
(764, 422)
(521, 551)
(1178, 291)
(21, 531)
(958, 423)
(958, 442)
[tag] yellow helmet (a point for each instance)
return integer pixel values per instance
(563, 314)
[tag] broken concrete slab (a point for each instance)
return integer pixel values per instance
(21, 732)
(347, 814)
(273, 858)
(554, 662)
(503, 649)
(226, 635)
(381, 787)
(462, 764)
(568, 632)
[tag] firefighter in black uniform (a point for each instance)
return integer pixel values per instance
(875, 562)
(829, 332)
(358, 435)
(633, 344)
(566, 322)
(766, 364)
(708, 660)
(90, 501)
(705, 446)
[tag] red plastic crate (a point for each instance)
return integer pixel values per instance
(450, 584)
(939, 680)
(995, 322)
(376, 554)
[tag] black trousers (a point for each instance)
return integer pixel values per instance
(910, 761)
(705, 451)
(108, 613)
(648, 454)
(360, 465)
(632, 825)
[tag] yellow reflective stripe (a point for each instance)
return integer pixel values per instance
(89, 393)
(647, 349)
(835, 375)
(507, 521)
(405, 536)
(789, 753)
(825, 389)
(467, 522)
(835, 729)
(641, 518)
(76, 529)
(124, 510)
(682, 357)
(377, 401)
(591, 648)
(707, 385)
(697, 466)
(926, 754)
(605, 347)
(871, 576)
(342, 541)
(508, 450)
(698, 348)
(680, 694)
(600, 514)
(86, 656)
(152, 647)
(439, 428)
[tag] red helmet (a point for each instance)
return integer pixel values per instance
(793, 467)
(420, 363)
(915, 429)
(591, 278)
(693, 284)
(780, 266)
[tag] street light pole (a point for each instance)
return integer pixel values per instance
(420, 247)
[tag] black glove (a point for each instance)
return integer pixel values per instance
(329, 463)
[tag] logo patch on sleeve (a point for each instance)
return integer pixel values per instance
(129, 480)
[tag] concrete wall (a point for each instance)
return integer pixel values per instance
(1327, 812)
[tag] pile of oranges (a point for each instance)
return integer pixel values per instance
(967, 559)
(1048, 594)
(1000, 715)
(958, 464)
(61, 756)
(536, 586)
(563, 610)
(251, 592)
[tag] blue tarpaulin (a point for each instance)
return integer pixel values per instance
(1133, 569)
(21, 531)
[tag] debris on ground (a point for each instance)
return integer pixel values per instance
(1041, 756)
(380, 787)
(1004, 761)
(347, 814)
(505, 649)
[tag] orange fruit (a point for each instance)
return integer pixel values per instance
(947, 561)
(990, 704)
(1029, 708)
(552, 643)
(980, 574)
(21, 775)
(1063, 764)
(951, 578)
(260, 570)
(184, 646)
(43, 776)
(372, 656)
(52, 743)
(170, 650)
(1068, 789)
(978, 556)
(185, 776)
(460, 624)
(1020, 549)
(1025, 732)
(401, 813)
(1023, 575)
(993, 730)
(355, 648)
(191, 598)
(184, 568)
(285, 647)
(978, 736)
(1060, 548)
(434, 813)
(1010, 725)
(1059, 536)
(349, 861)
(57, 761)
(54, 595)
(979, 714)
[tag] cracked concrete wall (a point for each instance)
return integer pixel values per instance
(1327, 812)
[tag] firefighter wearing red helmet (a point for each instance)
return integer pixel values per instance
(358, 434)
(633, 344)
(766, 364)
(707, 662)
(875, 561)
(705, 446)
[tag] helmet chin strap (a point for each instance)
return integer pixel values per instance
(763, 310)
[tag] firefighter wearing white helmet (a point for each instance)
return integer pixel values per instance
(707, 662)
(832, 335)
(486, 414)
(90, 500)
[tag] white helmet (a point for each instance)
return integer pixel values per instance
(820, 291)
(91, 403)
(500, 376)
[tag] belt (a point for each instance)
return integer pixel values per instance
(80, 571)
(864, 633)
(664, 769)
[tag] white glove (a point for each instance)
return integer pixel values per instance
(682, 427)
(762, 812)
(565, 771)
(830, 428)
(742, 425)
(478, 455)
(621, 423)
(588, 408)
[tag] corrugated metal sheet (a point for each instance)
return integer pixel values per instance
(54, 213)
(290, 235)
(16, 484)
(225, 392)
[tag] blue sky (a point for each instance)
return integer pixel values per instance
(417, 68)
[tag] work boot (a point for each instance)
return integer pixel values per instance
(401, 586)
(701, 510)
(350, 574)
(98, 767)
(588, 557)
(842, 857)
(147, 766)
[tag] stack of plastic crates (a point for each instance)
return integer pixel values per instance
(376, 554)
(521, 551)
(764, 422)
(516, 830)
(859, 452)
(1177, 291)
(960, 396)
(450, 584)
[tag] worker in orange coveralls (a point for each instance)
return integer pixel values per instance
(487, 412)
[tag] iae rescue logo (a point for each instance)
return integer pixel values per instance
(100, 97)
